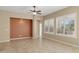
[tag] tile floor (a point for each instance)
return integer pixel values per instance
(35, 46)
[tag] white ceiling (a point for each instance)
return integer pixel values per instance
(25, 9)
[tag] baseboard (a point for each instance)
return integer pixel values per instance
(4, 41)
(66, 43)
(21, 38)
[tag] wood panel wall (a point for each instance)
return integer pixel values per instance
(20, 27)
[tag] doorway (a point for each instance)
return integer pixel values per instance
(40, 29)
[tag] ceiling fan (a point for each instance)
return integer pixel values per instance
(34, 11)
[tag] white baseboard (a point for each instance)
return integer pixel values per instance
(21, 38)
(15, 39)
(4, 41)
(66, 43)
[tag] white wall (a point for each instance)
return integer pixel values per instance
(69, 10)
(5, 24)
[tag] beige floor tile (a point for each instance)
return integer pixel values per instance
(35, 46)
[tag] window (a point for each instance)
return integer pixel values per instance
(66, 25)
(46, 25)
(49, 26)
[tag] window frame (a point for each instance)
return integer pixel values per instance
(49, 25)
(75, 25)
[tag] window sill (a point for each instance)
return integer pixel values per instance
(49, 33)
(71, 36)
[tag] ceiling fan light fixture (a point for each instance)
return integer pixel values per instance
(34, 13)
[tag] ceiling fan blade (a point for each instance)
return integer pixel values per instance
(31, 10)
(38, 11)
